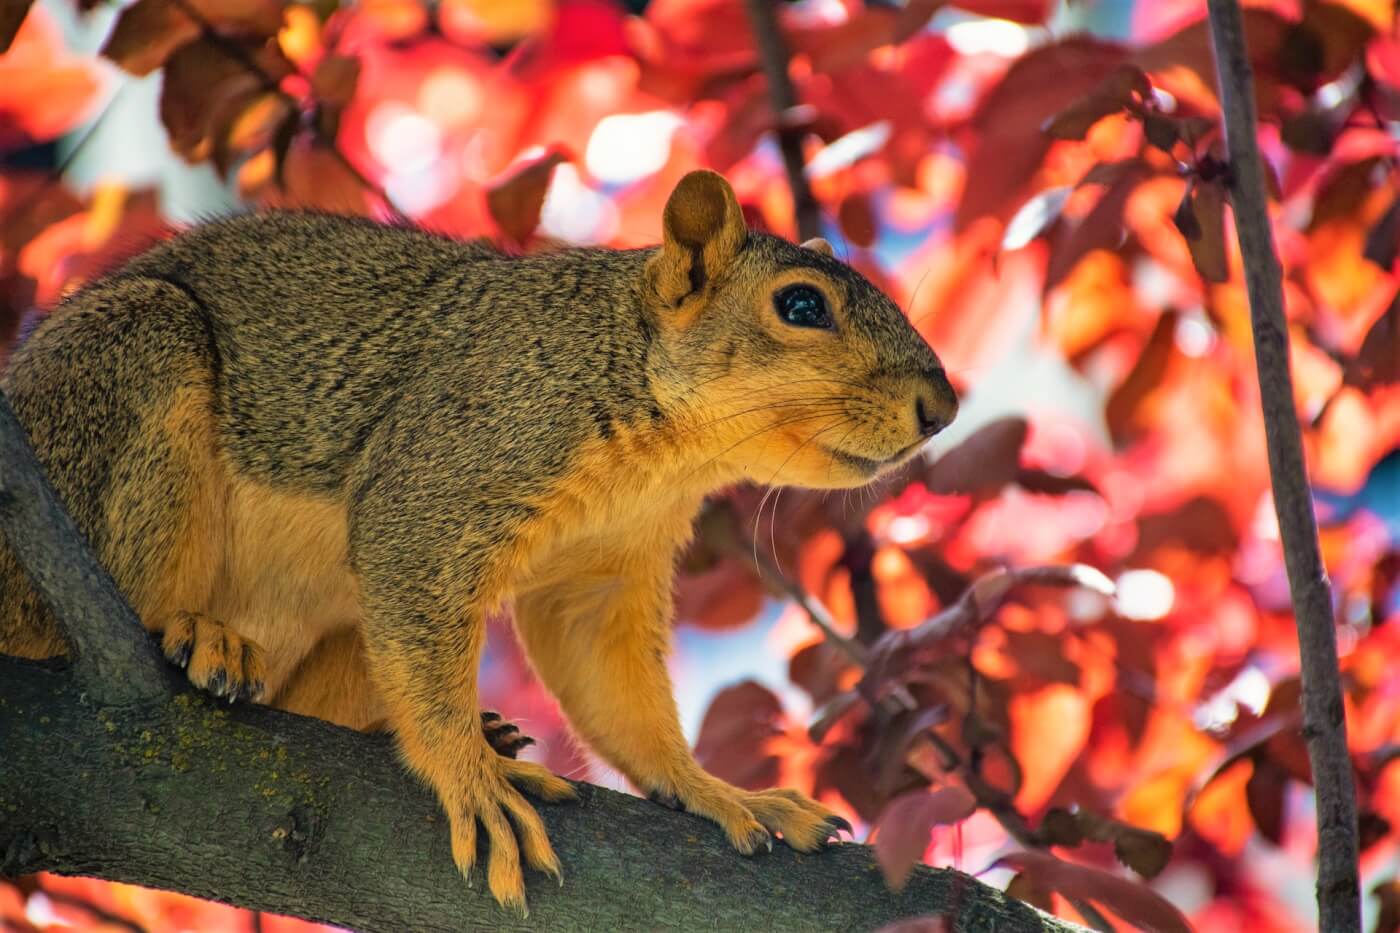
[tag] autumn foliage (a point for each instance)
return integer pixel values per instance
(1060, 650)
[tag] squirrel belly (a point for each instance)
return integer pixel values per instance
(316, 452)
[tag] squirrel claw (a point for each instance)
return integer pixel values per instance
(504, 737)
(215, 658)
(838, 824)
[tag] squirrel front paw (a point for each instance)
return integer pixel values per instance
(750, 818)
(804, 824)
(491, 798)
(215, 657)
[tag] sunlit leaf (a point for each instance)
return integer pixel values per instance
(45, 91)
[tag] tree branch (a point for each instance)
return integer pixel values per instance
(113, 659)
(281, 813)
(773, 53)
(1324, 723)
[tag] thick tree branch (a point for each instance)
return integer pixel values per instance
(113, 658)
(773, 53)
(1324, 725)
(281, 813)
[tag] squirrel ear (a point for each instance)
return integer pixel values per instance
(703, 230)
(817, 244)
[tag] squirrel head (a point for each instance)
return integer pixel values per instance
(784, 364)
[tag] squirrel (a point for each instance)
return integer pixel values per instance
(315, 452)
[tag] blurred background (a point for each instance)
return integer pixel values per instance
(1038, 182)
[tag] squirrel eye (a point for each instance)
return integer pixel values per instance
(802, 306)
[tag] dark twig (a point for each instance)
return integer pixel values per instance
(1338, 883)
(114, 660)
(773, 53)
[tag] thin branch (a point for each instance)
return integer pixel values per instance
(773, 53)
(1338, 883)
(113, 658)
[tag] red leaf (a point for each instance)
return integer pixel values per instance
(857, 219)
(1134, 902)
(817, 668)
(1122, 410)
(1126, 86)
(335, 78)
(206, 84)
(906, 823)
(1377, 363)
(1007, 144)
(1265, 791)
(733, 736)
(1201, 220)
(1102, 227)
(1018, 11)
(146, 34)
(516, 199)
(984, 462)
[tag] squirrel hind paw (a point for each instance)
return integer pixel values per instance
(504, 737)
(215, 658)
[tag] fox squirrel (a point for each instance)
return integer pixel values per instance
(315, 452)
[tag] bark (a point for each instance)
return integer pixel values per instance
(1324, 725)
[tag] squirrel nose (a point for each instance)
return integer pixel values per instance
(935, 404)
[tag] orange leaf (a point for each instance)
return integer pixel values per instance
(44, 90)
(1048, 729)
(1221, 812)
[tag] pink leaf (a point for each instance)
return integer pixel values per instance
(1133, 901)
(906, 823)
